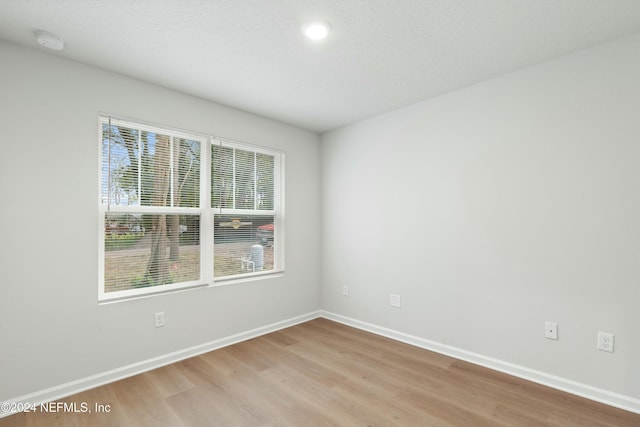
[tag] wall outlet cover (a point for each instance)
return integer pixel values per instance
(551, 330)
(394, 300)
(159, 319)
(605, 341)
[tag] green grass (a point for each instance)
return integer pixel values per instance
(121, 241)
(126, 270)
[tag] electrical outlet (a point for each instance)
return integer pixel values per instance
(551, 330)
(394, 300)
(345, 290)
(159, 319)
(605, 342)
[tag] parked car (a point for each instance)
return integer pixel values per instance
(265, 234)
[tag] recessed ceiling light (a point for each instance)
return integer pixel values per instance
(50, 41)
(316, 30)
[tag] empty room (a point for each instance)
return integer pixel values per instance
(320, 213)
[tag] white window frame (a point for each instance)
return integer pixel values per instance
(205, 211)
(277, 211)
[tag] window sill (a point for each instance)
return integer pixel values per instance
(247, 278)
(217, 282)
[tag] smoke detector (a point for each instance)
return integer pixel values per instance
(50, 41)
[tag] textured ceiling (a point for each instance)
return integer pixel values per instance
(380, 55)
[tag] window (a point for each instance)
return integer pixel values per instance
(180, 210)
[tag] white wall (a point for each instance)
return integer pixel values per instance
(494, 209)
(52, 329)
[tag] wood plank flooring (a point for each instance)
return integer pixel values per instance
(321, 373)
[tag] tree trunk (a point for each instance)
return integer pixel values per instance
(157, 269)
(174, 221)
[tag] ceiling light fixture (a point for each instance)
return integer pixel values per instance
(50, 41)
(316, 30)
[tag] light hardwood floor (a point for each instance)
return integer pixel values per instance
(321, 373)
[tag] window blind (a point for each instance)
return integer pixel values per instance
(245, 221)
(151, 190)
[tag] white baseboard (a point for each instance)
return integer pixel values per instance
(83, 384)
(583, 390)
